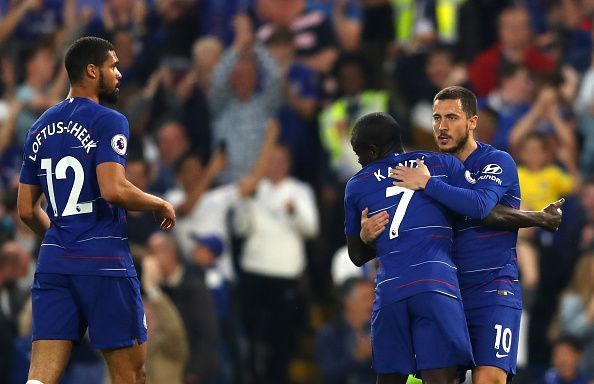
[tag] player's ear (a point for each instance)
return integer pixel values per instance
(92, 71)
(472, 123)
(374, 152)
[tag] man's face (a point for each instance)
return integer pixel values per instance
(364, 154)
(109, 79)
(514, 29)
(451, 126)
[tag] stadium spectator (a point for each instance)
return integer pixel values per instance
(514, 45)
(567, 355)
(297, 113)
(343, 349)
(173, 143)
(168, 350)
(193, 301)
(347, 19)
(315, 40)
(576, 310)
(547, 115)
(509, 101)
(192, 92)
(242, 101)
(276, 223)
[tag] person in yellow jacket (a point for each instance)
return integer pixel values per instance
(337, 119)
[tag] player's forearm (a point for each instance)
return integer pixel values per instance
(129, 197)
(38, 221)
(475, 204)
(359, 252)
(507, 218)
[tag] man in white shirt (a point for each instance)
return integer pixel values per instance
(276, 223)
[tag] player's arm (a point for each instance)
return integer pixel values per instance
(359, 252)
(116, 189)
(507, 218)
(474, 203)
(30, 211)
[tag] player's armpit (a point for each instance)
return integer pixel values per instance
(29, 207)
(507, 218)
(359, 253)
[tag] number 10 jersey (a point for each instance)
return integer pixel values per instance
(415, 250)
(87, 235)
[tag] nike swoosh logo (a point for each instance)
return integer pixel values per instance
(500, 356)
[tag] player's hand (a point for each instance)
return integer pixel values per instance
(552, 215)
(411, 178)
(167, 215)
(371, 227)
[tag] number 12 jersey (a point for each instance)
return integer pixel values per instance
(87, 235)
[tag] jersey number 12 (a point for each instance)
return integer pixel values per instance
(407, 195)
(73, 207)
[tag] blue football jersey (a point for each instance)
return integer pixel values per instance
(486, 258)
(87, 235)
(414, 252)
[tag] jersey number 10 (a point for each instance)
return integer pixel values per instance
(73, 207)
(407, 195)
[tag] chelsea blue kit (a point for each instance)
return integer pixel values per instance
(418, 321)
(85, 276)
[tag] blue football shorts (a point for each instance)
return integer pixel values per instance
(64, 306)
(494, 333)
(425, 331)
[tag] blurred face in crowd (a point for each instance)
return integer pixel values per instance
(451, 126)
(109, 78)
(244, 78)
(534, 154)
(566, 360)
(164, 251)
(138, 173)
(514, 29)
(123, 44)
(41, 65)
(206, 54)
(279, 164)
(203, 256)
(438, 68)
(190, 172)
(517, 88)
(16, 261)
(173, 143)
(351, 79)
(358, 304)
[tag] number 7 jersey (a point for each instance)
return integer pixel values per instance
(415, 250)
(87, 235)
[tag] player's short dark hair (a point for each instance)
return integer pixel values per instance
(378, 129)
(84, 51)
(466, 97)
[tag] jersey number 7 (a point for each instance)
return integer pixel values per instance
(407, 195)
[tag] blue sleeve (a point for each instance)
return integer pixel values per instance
(497, 174)
(113, 140)
(30, 166)
(352, 216)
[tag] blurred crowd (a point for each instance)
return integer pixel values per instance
(240, 114)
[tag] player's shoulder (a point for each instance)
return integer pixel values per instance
(106, 113)
(491, 155)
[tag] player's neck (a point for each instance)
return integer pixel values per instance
(466, 150)
(82, 91)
